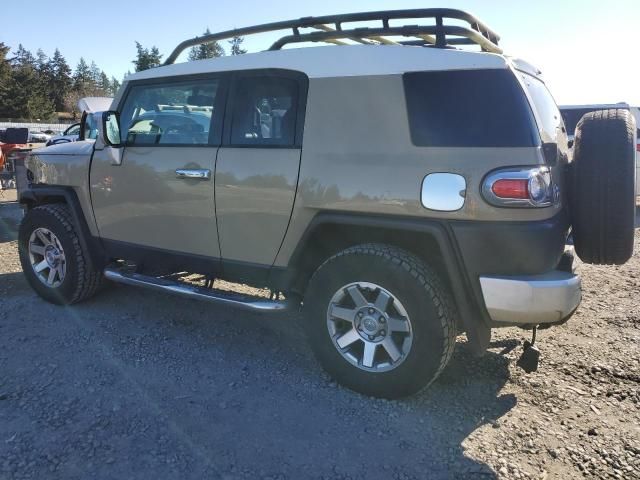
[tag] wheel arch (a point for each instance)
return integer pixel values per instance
(431, 241)
(37, 195)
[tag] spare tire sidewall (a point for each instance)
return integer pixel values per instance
(602, 187)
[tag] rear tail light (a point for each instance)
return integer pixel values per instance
(521, 187)
(638, 147)
(510, 188)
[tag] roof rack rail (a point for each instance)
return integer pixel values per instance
(329, 29)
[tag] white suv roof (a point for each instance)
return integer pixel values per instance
(354, 60)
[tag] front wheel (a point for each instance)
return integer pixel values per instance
(379, 321)
(53, 259)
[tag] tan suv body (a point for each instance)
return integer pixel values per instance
(271, 169)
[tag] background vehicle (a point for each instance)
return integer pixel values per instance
(365, 184)
(39, 137)
(85, 105)
(71, 134)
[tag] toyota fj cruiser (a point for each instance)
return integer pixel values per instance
(398, 189)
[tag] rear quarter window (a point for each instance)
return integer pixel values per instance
(548, 112)
(468, 108)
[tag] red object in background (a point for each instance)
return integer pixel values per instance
(6, 149)
(511, 188)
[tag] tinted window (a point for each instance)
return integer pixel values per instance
(264, 111)
(169, 114)
(545, 105)
(90, 126)
(468, 108)
(73, 130)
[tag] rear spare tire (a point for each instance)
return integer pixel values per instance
(603, 187)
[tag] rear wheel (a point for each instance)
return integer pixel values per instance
(603, 187)
(56, 265)
(379, 321)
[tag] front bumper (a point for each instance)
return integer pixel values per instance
(532, 299)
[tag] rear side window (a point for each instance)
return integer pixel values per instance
(264, 111)
(545, 105)
(468, 108)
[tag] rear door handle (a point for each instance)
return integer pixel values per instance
(203, 174)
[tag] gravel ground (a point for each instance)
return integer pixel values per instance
(133, 384)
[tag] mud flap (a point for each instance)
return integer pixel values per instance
(530, 357)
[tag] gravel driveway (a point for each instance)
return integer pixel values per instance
(133, 384)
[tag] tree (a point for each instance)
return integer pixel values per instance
(24, 95)
(5, 79)
(96, 74)
(206, 50)
(146, 58)
(115, 86)
(87, 81)
(82, 79)
(61, 80)
(23, 58)
(236, 45)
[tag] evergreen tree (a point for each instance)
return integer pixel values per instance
(96, 75)
(24, 94)
(41, 60)
(206, 50)
(23, 57)
(146, 58)
(35, 87)
(105, 84)
(82, 79)
(115, 86)
(84, 85)
(236, 45)
(44, 77)
(5, 79)
(61, 80)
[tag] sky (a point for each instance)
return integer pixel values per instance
(587, 49)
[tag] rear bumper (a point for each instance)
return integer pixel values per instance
(531, 299)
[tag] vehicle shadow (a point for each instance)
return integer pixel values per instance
(9, 221)
(228, 394)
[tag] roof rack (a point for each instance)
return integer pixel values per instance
(330, 29)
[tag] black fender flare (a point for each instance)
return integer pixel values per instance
(468, 300)
(35, 195)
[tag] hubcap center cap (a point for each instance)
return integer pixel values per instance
(370, 324)
(52, 255)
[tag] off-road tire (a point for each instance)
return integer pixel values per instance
(82, 279)
(602, 188)
(420, 291)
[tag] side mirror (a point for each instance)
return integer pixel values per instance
(108, 135)
(111, 129)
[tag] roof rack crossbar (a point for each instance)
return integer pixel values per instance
(476, 33)
(469, 37)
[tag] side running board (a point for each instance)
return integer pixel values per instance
(237, 300)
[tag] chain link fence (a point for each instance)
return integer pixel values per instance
(36, 126)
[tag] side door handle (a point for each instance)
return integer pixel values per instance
(202, 174)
